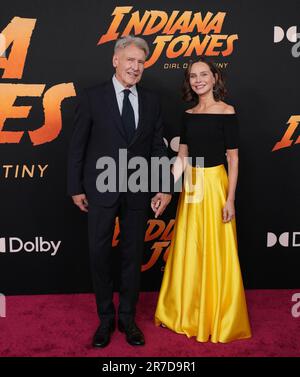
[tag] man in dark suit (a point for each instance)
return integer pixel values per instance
(113, 116)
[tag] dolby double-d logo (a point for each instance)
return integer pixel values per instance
(291, 35)
(286, 239)
(279, 33)
(16, 245)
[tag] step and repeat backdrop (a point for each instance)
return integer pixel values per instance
(50, 50)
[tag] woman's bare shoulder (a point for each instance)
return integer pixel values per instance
(189, 111)
(228, 109)
(219, 108)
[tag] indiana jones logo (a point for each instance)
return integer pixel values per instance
(157, 230)
(286, 140)
(208, 38)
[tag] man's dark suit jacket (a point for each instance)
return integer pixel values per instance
(99, 132)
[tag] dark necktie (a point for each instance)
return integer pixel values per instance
(128, 116)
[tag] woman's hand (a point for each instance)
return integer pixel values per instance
(228, 212)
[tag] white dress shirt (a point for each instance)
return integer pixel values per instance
(133, 98)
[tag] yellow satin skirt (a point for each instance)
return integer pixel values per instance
(202, 293)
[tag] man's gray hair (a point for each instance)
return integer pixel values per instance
(131, 39)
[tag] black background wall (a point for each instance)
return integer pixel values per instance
(263, 83)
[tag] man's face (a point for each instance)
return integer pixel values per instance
(129, 64)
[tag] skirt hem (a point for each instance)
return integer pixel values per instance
(206, 340)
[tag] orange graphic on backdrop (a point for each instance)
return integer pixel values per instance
(208, 40)
(157, 230)
(17, 35)
(287, 140)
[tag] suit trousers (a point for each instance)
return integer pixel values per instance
(101, 225)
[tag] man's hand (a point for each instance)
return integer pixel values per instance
(159, 203)
(80, 201)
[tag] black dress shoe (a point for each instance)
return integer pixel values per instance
(102, 335)
(134, 335)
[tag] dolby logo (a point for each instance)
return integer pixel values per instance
(279, 34)
(291, 35)
(16, 245)
(286, 239)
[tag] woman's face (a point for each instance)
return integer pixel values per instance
(202, 79)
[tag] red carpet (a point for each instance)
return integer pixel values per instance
(62, 325)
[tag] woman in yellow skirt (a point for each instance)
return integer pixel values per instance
(202, 291)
